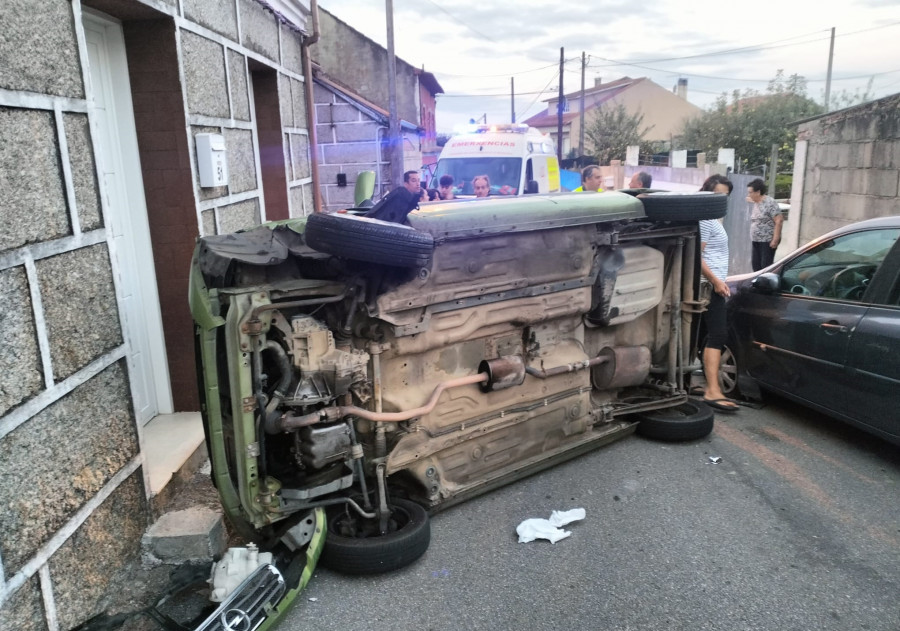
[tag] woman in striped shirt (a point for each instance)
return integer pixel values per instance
(714, 267)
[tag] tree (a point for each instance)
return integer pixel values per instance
(612, 130)
(845, 98)
(752, 122)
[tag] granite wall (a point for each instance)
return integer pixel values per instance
(73, 502)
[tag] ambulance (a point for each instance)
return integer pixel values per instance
(517, 159)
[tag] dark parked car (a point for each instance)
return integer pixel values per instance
(822, 327)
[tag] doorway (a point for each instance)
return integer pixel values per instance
(119, 166)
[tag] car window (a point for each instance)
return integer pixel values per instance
(503, 173)
(840, 268)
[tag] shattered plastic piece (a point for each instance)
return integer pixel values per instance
(233, 568)
(536, 528)
(714, 460)
(313, 599)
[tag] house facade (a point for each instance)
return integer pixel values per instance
(428, 89)
(664, 111)
(357, 67)
(101, 201)
(353, 137)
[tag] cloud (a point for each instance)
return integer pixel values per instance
(480, 44)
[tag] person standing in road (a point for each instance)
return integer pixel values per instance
(641, 179)
(591, 179)
(714, 269)
(765, 224)
(481, 184)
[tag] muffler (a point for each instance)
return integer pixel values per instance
(623, 366)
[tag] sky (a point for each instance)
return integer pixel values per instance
(474, 47)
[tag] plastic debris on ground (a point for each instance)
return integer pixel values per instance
(550, 529)
(714, 460)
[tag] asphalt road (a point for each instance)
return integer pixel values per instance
(798, 527)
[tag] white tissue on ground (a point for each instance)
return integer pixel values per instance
(549, 529)
(562, 517)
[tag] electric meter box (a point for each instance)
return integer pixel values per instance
(211, 160)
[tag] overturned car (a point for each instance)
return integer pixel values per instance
(380, 371)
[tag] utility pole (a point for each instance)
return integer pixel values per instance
(559, 105)
(394, 140)
(828, 78)
(581, 115)
(512, 98)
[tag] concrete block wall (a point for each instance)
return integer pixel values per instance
(73, 493)
(350, 140)
(354, 60)
(852, 167)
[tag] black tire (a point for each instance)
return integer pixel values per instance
(685, 206)
(689, 421)
(370, 240)
(371, 553)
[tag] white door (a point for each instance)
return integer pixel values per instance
(119, 165)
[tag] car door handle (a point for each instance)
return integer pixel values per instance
(833, 327)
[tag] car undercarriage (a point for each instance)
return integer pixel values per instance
(393, 370)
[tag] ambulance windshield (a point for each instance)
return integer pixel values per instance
(504, 174)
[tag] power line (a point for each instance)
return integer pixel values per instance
(725, 52)
(638, 63)
(764, 46)
(530, 105)
(733, 79)
(612, 62)
(475, 96)
(468, 26)
(615, 62)
(504, 74)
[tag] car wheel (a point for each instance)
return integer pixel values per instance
(688, 421)
(370, 240)
(728, 373)
(355, 546)
(684, 206)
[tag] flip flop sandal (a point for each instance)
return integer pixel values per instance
(717, 404)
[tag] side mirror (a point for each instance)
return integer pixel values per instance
(767, 283)
(531, 188)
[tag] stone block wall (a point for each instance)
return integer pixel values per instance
(852, 167)
(69, 447)
(219, 75)
(350, 141)
(203, 74)
(73, 498)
